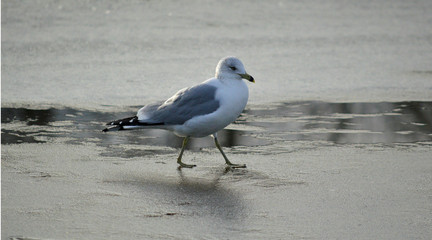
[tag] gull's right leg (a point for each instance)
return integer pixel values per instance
(185, 141)
(230, 164)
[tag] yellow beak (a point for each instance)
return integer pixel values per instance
(247, 77)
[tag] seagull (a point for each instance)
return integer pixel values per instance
(197, 111)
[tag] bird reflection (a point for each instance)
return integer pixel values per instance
(193, 183)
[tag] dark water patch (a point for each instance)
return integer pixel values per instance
(44, 117)
(74, 126)
(12, 136)
(402, 122)
(346, 122)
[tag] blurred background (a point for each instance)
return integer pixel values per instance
(94, 53)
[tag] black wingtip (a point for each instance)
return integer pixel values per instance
(115, 127)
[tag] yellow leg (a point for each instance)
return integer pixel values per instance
(225, 157)
(185, 141)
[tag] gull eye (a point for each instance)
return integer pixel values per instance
(233, 68)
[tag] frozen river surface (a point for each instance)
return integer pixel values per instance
(336, 135)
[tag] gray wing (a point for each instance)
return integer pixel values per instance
(184, 105)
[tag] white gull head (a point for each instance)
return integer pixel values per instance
(232, 68)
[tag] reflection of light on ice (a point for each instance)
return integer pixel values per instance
(404, 132)
(418, 124)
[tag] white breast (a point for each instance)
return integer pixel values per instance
(232, 95)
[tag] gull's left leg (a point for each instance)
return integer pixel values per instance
(179, 161)
(225, 157)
